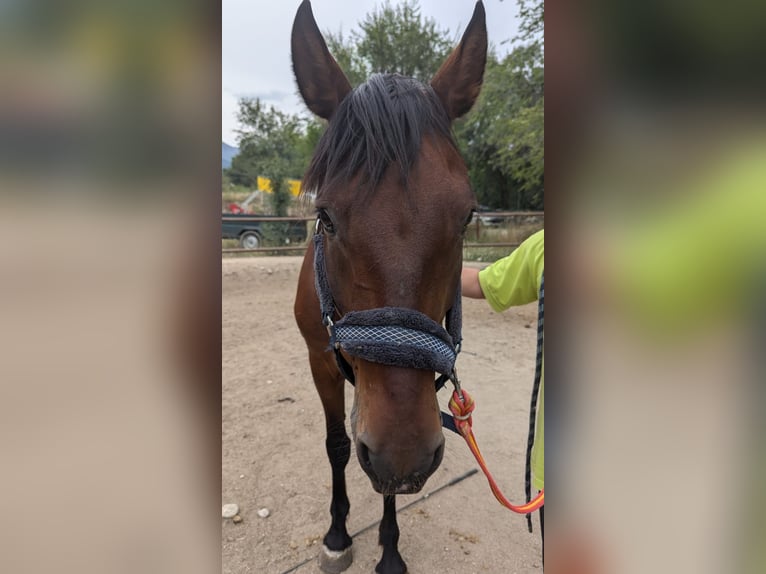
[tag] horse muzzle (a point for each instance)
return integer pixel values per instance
(399, 473)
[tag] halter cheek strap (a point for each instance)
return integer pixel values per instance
(407, 338)
(394, 336)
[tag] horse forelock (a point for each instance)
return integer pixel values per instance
(379, 124)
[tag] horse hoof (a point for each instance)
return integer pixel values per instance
(391, 565)
(334, 561)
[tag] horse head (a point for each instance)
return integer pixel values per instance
(393, 200)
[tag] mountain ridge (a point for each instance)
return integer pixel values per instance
(227, 154)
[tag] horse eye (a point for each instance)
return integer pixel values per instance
(327, 223)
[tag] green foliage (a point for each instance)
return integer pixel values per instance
(398, 39)
(344, 50)
(279, 198)
(502, 138)
(313, 130)
(269, 143)
(532, 16)
(391, 39)
(274, 145)
(524, 162)
(231, 192)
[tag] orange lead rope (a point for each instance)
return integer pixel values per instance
(461, 406)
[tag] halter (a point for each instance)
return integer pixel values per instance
(395, 336)
(403, 337)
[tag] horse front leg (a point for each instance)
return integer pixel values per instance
(336, 554)
(338, 451)
(391, 562)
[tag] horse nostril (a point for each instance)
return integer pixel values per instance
(364, 456)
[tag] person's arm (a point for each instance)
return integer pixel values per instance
(513, 280)
(469, 282)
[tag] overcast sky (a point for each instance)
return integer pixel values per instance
(256, 43)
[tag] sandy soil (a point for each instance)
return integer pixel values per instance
(274, 455)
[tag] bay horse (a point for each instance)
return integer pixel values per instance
(393, 200)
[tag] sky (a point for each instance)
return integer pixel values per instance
(256, 43)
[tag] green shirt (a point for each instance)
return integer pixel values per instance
(515, 280)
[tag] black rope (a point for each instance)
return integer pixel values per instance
(418, 500)
(535, 392)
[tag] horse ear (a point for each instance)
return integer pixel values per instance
(458, 81)
(321, 82)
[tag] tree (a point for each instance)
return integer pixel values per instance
(391, 39)
(502, 138)
(273, 145)
(532, 16)
(344, 50)
(519, 136)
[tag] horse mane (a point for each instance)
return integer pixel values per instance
(380, 123)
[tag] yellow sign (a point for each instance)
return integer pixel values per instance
(264, 184)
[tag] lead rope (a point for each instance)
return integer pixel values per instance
(461, 405)
(535, 393)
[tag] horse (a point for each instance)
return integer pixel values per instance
(393, 200)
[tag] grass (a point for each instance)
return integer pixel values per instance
(229, 196)
(507, 232)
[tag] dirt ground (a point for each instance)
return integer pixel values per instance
(274, 455)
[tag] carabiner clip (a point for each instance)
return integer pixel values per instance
(456, 382)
